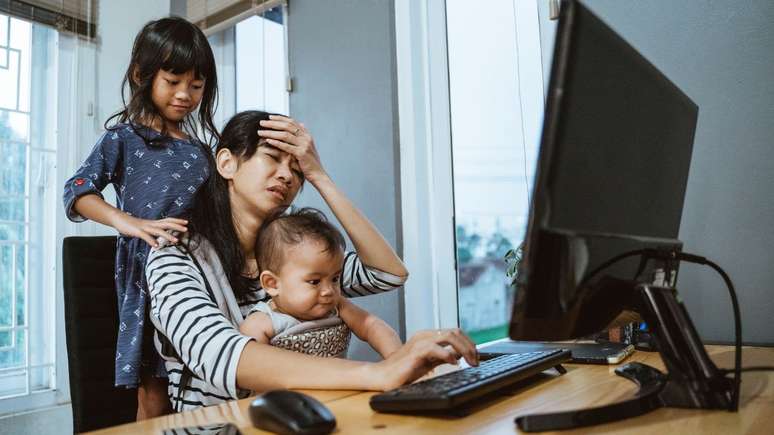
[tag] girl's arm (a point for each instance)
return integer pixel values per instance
(92, 206)
(369, 328)
(83, 198)
(291, 137)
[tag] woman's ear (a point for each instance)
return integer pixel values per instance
(269, 283)
(226, 163)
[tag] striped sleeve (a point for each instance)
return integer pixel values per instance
(358, 279)
(187, 315)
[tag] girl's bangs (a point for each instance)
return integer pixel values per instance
(187, 53)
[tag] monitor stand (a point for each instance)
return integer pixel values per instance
(692, 379)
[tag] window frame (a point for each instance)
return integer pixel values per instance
(70, 69)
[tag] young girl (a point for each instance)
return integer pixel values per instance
(155, 159)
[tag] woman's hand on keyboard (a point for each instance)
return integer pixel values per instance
(423, 352)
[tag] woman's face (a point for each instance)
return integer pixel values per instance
(269, 179)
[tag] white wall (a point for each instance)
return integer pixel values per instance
(342, 59)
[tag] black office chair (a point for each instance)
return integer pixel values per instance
(91, 326)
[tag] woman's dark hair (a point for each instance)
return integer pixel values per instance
(176, 45)
(211, 216)
(282, 230)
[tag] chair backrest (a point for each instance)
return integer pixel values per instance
(91, 324)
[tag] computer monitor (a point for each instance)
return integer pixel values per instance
(611, 180)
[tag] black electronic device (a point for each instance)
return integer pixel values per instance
(607, 202)
(582, 353)
(291, 412)
(458, 388)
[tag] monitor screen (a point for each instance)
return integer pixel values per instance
(611, 177)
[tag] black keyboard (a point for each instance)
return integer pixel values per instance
(453, 389)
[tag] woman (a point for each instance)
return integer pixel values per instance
(201, 289)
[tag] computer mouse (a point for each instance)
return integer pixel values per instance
(291, 412)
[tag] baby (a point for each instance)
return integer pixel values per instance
(300, 256)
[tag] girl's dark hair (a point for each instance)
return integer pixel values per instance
(211, 216)
(176, 45)
(282, 230)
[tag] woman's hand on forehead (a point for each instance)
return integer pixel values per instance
(290, 136)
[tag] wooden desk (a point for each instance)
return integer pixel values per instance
(582, 386)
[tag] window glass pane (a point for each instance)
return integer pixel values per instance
(6, 284)
(261, 61)
(13, 166)
(492, 168)
(9, 78)
(21, 40)
(11, 209)
(20, 275)
(3, 43)
(12, 356)
(5, 338)
(4, 30)
(14, 126)
(11, 231)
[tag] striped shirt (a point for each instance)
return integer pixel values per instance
(197, 316)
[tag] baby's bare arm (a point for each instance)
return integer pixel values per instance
(369, 328)
(258, 326)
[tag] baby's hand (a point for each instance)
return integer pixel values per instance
(161, 241)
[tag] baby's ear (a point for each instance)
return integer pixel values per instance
(269, 283)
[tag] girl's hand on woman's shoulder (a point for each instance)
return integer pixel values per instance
(423, 352)
(291, 136)
(149, 230)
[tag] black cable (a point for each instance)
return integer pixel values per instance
(610, 262)
(691, 258)
(737, 320)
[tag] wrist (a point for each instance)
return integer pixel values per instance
(320, 180)
(369, 376)
(114, 217)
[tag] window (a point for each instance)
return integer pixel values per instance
(261, 63)
(496, 102)
(28, 195)
(470, 101)
(251, 58)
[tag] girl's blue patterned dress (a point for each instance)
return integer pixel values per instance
(151, 182)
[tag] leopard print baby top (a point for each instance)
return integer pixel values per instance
(326, 337)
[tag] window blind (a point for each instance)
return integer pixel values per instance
(213, 16)
(73, 16)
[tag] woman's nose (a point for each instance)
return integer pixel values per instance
(284, 173)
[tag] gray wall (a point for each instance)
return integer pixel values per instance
(720, 54)
(343, 66)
